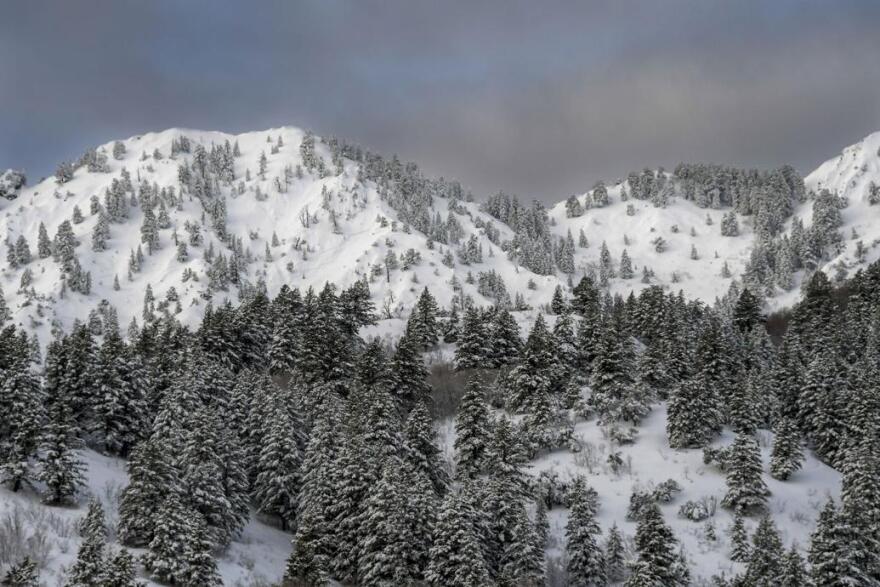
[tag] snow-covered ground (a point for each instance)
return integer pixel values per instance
(794, 505)
(367, 227)
(49, 534)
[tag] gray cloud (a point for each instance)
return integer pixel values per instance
(538, 98)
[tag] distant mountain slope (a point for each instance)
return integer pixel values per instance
(323, 213)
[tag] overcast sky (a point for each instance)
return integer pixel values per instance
(539, 98)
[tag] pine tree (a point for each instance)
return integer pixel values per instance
(90, 567)
(746, 489)
(421, 450)
(747, 312)
(151, 477)
(19, 395)
(277, 470)
(614, 555)
(787, 456)
(422, 323)
(312, 544)
(60, 468)
(22, 574)
(456, 556)
(766, 557)
(586, 564)
(506, 341)
(656, 549)
(691, 417)
(121, 571)
(472, 429)
(531, 386)
(200, 568)
(179, 552)
(383, 553)
(626, 268)
(615, 394)
(408, 373)
(473, 351)
(794, 573)
(44, 245)
(740, 539)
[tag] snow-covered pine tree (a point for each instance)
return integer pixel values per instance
(615, 563)
(422, 323)
(121, 571)
(473, 351)
(456, 555)
(19, 395)
(91, 566)
(656, 546)
(386, 544)
(472, 432)
(787, 456)
(277, 470)
(746, 489)
(586, 563)
(61, 469)
(408, 373)
(151, 477)
(691, 416)
(794, 572)
(506, 341)
(766, 560)
(313, 547)
(739, 538)
(421, 450)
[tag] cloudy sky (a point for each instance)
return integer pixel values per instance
(536, 98)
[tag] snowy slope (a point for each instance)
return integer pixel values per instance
(312, 255)
(49, 535)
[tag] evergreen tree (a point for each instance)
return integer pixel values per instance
(90, 567)
(766, 558)
(691, 417)
(313, 549)
(121, 571)
(740, 539)
(615, 394)
(44, 245)
(586, 564)
(787, 456)
(421, 450)
(614, 555)
(747, 312)
(422, 323)
(473, 350)
(60, 467)
(626, 268)
(383, 554)
(277, 471)
(531, 386)
(456, 556)
(745, 488)
(151, 477)
(506, 341)
(794, 573)
(472, 429)
(22, 574)
(408, 373)
(19, 395)
(655, 544)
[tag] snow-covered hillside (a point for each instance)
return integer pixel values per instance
(337, 227)
(154, 231)
(307, 228)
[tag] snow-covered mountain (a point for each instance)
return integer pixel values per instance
(308, 222)
(216, 215)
